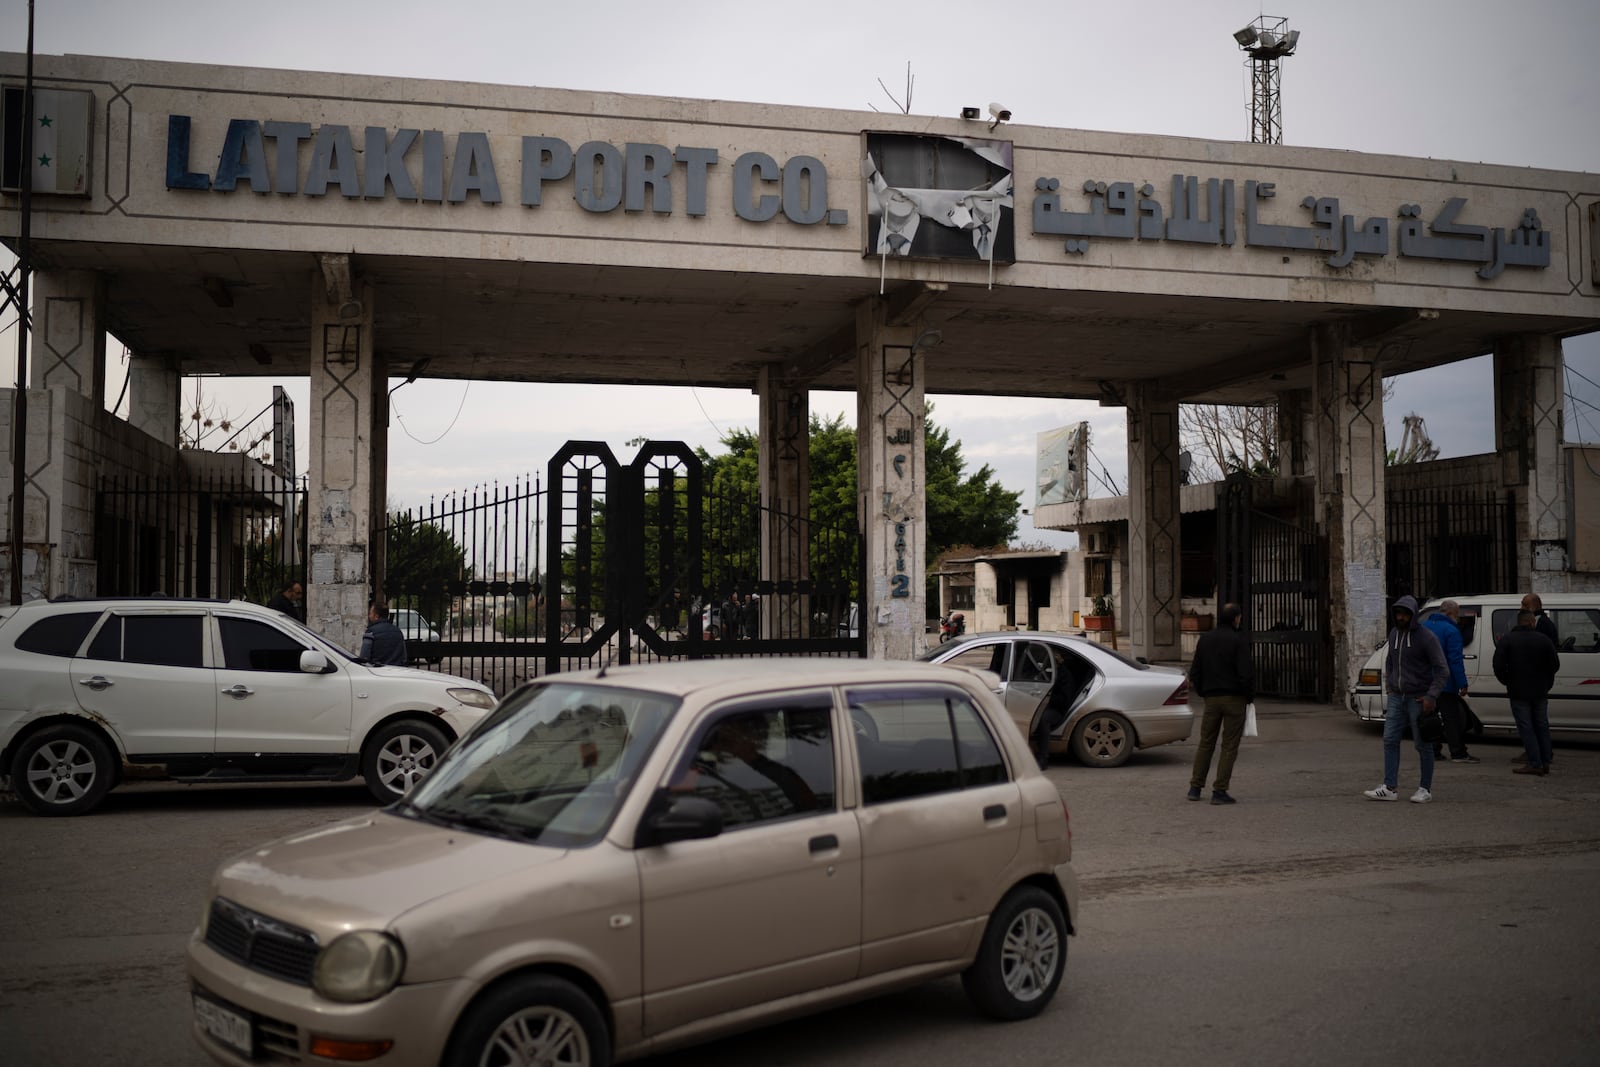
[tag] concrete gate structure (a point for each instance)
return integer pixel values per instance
(263, 222)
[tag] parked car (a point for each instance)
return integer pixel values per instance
(1575, 697)
(1108, 705)
(207, 690)
(415, 629)
(620, 861)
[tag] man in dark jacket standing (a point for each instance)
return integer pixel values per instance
(1414, 673)
(1222, 674)
(383, 643)
(1526, 663)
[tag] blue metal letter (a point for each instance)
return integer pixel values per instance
(747, 170)
(544, 159)
(179, 176)
(604, 158)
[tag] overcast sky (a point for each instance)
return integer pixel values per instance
(1474, 80)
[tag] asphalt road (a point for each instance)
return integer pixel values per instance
(1304, 925)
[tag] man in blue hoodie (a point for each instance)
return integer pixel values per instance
(1446, 626)
(1414, 674)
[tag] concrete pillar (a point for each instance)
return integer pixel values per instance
(340, 499)
(69, 332)
(891, 482)
(1528, 397)
(153, 397)
(784, 463)
(1347, 400)
(1297, 447)
(1153, 604)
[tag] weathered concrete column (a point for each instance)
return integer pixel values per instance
(1297, 446)
(69, 332)
(1153, 604)
(1347, 399)
(154, 386)
(340, 499)
(891, 482)
(1528, 396)
(784, 464)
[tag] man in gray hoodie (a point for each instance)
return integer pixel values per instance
(1414, 673)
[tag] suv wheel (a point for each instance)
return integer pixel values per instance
(400, 755)
(62, 770)
(1023, 956)
(536, 1018)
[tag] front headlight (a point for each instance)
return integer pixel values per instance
(473, 698)
(363, 965)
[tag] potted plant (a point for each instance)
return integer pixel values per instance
(1191, 621)
(1100, 615)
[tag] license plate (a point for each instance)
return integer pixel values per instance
(226, 1025)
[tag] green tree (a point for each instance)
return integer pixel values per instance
(422, 560)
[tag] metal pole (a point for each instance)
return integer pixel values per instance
(19, 416)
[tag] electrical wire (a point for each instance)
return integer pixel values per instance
(399, 418)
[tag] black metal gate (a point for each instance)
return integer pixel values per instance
(608, 562)
(1277, 571)
(1444, 542)
(237, 530)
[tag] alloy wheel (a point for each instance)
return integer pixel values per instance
(1030, 955)
(542, 1036)
(405, 760)
(61, 772)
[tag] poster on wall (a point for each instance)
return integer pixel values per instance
(941, 198)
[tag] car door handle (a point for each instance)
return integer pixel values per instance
(238, 692)
(824, 843)
(97, 683)
(993, 812)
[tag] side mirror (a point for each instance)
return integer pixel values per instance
(312, 662)
(672, 818)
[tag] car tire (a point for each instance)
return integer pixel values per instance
(1102, 739)
(399, 755)
(544, 1019)
(62, 770)
(1022, 959)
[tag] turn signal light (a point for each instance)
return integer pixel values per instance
(334, 1048)
(1370, 676)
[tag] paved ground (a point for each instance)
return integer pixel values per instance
(1305, 925)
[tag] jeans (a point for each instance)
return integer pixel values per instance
(1397, 713)
(1533, 725)
(1224, 713)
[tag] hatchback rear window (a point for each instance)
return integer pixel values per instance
(58, 635)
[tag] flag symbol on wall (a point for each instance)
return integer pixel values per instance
(59, 156)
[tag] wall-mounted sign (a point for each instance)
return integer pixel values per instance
(409, 164)
(1129, 212)
(932, 197)
(1063, 464)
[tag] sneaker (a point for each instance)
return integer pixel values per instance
(1220, 796)
(1383, 792)
(1528, 768)
(1465, 759)
(1421, 796)
(1194, 793)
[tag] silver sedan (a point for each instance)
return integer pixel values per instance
(1080, 695)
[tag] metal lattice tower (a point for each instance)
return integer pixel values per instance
(1264, 42)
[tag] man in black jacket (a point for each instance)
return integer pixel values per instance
(383, 643)
(1526, 663)
(1222, 674)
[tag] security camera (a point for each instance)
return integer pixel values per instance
(1000, 114)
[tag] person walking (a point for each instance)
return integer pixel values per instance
(1221, 673)
(1446, 626)
(1414, 674)
(1526, 664)
(383, 643)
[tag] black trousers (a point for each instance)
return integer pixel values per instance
(1453, 711)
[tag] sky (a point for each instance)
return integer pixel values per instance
(1473, 80)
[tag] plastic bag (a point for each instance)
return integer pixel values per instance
(1250, 719)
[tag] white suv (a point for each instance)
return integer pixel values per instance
(207, 690)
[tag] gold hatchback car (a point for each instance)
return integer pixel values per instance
(620, 861)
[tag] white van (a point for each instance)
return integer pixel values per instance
(1575, 698)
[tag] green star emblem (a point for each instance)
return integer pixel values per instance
(44, 161)
(46, 120)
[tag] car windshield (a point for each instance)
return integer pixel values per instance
(552, 764)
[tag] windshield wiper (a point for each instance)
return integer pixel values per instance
(490, 822)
